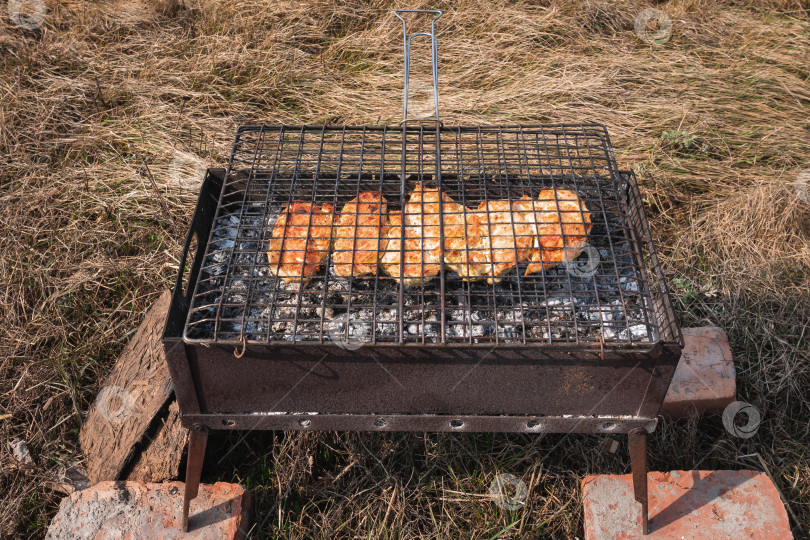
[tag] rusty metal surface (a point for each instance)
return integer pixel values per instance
(197, 441)
(416, 380)
(410, 380)
(637, 441)
(303, 421)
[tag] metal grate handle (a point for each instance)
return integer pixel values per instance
(434, 46)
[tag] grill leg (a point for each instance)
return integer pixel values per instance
(197, 439)
(637, 440)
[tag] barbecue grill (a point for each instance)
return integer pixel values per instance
(586, 346)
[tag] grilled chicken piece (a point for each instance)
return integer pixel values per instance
(530, 212)
(359, 235)
(466, 243)
(390, 261)
(562, 224)
(509, 237)
(423, 252)
(300, 241)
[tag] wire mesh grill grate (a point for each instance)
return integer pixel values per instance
(237, 298)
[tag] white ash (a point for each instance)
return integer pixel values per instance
(256, 305)
(608, 333)
(629, 284)
(325, 312)
(637, 331)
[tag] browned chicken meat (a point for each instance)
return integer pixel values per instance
(501, 234)
(422, 249)
(359, 235)
(300, 241)
(509, 237)
(466, 245)
(482, 243)
(562, 222)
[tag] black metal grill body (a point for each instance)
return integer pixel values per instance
(236, 365)
(562, 351)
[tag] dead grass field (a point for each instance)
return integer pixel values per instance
(715, 122)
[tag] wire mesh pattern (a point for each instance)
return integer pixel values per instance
(466, 222)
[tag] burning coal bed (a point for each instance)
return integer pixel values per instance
(557, 306)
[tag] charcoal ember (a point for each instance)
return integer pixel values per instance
(597, 314)
(618, 310)
(279, 326)
(510, 333)
(271, 218)
(555, 305)
(637, 331)
(227, 227)
(608, 333)
(605, 313)
(334, 299)
(222, 254)
(561, 302)
(262, 269)
(386, 323)
(252, 231)
(354, 328)
(325, 312)
(510, 316)
(238, 285)
(629, 284)
(538, 332)
(466, 331)
(201, 331)
(384, 315)
(418, 315)
(214, 264)
(386, 330)
(235, 298)
(254, 329)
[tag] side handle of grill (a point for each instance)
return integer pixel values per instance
(434, 56)
(200, 229)
(662, 306)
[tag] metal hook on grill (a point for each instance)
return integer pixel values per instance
(237, 353)
(434, 55)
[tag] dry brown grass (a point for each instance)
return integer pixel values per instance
(86, 245)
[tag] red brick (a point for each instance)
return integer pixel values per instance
(115, 510)
(716, 505)
(705, 380)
